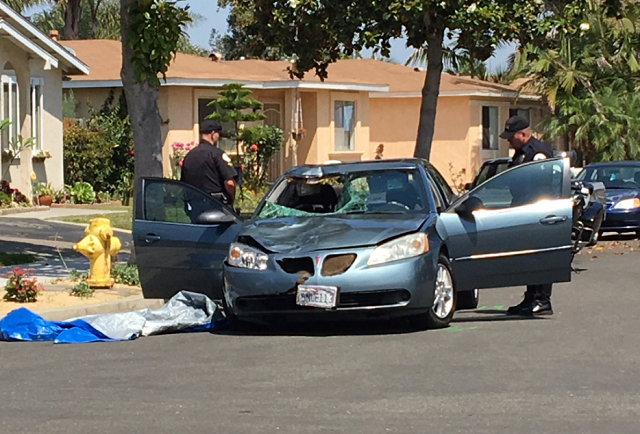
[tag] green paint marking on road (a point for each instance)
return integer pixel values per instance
(459, 329)
(499, 307)
(481, 307)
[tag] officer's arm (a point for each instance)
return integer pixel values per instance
(230, 186)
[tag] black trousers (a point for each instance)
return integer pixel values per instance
(540, 293)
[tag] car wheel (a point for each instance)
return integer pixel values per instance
(467, 300)
(594, 239)
(444, 300)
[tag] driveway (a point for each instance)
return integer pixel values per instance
(575, 372)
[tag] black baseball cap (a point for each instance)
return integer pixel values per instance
(513, 125)
(209, 126)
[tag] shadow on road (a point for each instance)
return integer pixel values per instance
(612, 236)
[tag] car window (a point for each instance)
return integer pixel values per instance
(483, 175)
(523, 185)
(437, 196)
(441, 183)
(381, 191)
(175, 202)
(613, 176)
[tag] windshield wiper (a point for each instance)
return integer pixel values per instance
(373, 212)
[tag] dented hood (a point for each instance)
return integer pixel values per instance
(303, 234)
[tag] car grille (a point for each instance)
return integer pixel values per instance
(287, 302)
(302, 265)
(337, 264)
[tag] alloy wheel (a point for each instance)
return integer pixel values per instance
(443, 299)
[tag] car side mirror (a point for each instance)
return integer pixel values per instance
(467, 207)
(214, 217)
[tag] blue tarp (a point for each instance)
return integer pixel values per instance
(185, 312)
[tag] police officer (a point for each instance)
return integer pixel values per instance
(208, 168)
(537, 298)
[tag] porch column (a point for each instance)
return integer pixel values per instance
(23, 77)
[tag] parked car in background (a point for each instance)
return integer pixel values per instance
(622, 182)
(384, 237)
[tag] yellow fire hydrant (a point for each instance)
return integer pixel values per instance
(99, 245)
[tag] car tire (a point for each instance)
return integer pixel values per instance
(234, 323)
(467, 300)
(440, 314)
(595, 236)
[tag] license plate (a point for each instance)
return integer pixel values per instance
(325, 297)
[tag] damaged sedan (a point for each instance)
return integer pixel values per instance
(385, 238)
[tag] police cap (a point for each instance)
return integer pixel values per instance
(209, 126)
(513, 125)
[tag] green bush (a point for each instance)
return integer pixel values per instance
(260, 144)
(81, 192)
(102, 152)
(125, 274)
(82, 290)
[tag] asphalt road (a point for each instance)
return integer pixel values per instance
(575, 372)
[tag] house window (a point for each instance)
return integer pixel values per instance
(524, 113)
(344, 117)
(37, 108)
(228, 127)
(490, 139)
(10, 109)
(273, 114)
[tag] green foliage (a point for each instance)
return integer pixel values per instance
(69, 105)
(20, 288)
(586, 66)
(125, 274)
(106, 138)
(235, 105)
(81, 192)
(78, 276)
(156, 27)
(261, 143)
(7, 259)
(5, 199)
(82, 290)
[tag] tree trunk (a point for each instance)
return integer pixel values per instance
(142, 104)
(430, 90)
(72, 19)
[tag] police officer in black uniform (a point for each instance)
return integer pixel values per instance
(537, 298)
(209, 168)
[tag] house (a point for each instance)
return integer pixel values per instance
(33, 66)
(363, 103)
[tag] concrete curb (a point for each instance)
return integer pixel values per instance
(127, 304)
(8, 211)
(83, 225)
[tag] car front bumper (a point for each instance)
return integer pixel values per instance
(621, 220)
(394, 289)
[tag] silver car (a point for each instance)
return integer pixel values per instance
(378, 238)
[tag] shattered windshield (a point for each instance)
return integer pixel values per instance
(374, 192)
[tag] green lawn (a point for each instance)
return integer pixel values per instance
(120, 220)
(7, 258)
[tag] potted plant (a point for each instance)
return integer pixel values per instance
(41, 155)
(45, 196)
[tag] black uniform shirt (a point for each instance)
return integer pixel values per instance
(529, 151)
(206, 167)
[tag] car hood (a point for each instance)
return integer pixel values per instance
(301, 234)
(615, 195)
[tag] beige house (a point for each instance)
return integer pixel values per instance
(33, 67)
(362, 104)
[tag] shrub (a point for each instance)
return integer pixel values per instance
(261, 143)
(125, 274)
(82, 290)
(87, 156)
(13, 193)
(20, 288)
(81, 192)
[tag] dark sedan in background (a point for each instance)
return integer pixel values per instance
(383, 237)
(622, 182)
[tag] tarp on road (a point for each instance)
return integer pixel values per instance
(185, 312)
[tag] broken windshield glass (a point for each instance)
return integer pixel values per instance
(382, 191)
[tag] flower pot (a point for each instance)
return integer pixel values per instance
(45, 200)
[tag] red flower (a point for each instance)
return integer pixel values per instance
(242, 168)
(18, 271)
(254, 147)
(131, 152)
(180, 163)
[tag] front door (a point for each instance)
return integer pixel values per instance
(522, 233)
(175, 252)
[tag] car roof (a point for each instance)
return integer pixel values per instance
(498, 160)
(613, 163)
(319, 170)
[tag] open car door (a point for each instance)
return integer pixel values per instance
(181, 237)
(514, 229)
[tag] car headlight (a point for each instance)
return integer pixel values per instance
(243, 256)
(404, 247)
(628, 204)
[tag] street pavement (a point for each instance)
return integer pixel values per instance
(574, 372)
